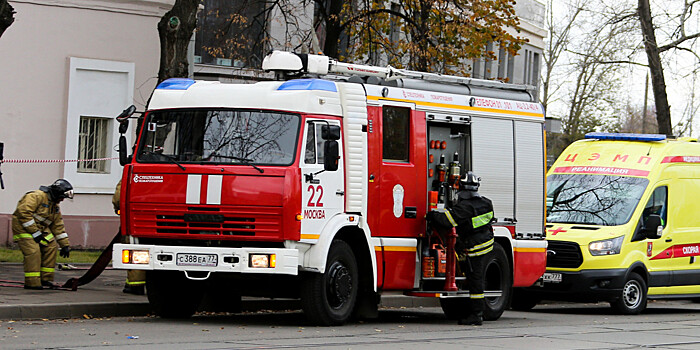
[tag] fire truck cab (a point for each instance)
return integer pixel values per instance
(316, 185)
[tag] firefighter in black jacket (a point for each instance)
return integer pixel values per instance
(471, 217)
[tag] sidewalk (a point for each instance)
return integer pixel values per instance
(103, 297)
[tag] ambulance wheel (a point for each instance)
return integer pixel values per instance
(329, 299)
(497, 277)
(172, 295)
(633, 298)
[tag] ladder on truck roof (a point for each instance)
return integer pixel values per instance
(289, 64)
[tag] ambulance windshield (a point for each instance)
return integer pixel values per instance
(592, 199)
(204, 136)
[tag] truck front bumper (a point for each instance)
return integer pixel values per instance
(584, 285)
(207, 259)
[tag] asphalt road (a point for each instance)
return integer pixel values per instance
(665, 325)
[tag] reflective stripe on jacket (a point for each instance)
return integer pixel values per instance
(37, 215)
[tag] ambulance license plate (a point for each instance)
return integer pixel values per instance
(197, 259)
(551, 277)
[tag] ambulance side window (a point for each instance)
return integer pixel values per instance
(395, 129)
(657, 204)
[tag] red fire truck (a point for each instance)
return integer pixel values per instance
(315, 186)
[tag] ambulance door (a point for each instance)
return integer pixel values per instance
(660, 251)
(322, 191)
(397, 168)
(684, 232)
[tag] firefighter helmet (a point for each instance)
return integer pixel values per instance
(470, 182)
(60, 190)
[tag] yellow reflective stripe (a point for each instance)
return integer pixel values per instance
(22, 235)
(449, 217)
(32, 274)
(482, 245)
(29, 223)
(47, 269)
(481, 252)
(482, 219)
(135, 283)
(49, 237)
(477, 296)
(62, 236)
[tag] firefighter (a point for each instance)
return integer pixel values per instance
(37, 226)
(135, 279)
(471, 217)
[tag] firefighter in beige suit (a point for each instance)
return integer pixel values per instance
(135, 279)
(37, 226)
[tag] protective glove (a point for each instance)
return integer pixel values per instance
(65, 252)
(37, 236)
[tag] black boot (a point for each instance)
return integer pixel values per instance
(49, 285)
(476, 319)
(33, 287)
(136, 289)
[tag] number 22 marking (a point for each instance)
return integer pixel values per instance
(313, 190)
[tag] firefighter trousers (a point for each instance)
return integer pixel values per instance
(135, 277)
(475, 268)
(39, 261)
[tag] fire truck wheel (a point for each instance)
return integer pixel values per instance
(523, 300)
(497, 277)
(633, 299)
(171, 294)
(328, 299)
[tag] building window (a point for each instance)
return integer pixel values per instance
(395, 129)
(231, 33)
(92, 144)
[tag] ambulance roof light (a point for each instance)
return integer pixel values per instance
(176, 84)
(625, 136)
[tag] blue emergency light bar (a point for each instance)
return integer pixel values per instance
(308, 84)
(624, 136)
(176, 84)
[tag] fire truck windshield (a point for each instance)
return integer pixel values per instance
(204, 136)
(592, 199)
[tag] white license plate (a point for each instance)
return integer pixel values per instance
(197, 259)
(551, 277)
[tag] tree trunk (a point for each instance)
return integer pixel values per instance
(175, 31)
(6, 16)
(658, 84)
(333, 30)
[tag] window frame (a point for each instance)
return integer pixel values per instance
(408, 144)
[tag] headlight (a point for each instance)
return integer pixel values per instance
(135, 256)
(263, 260)
(606, 247)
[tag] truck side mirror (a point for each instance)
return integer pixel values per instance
(123, 159)
(331, 155)
(652, 228)
(330, 132)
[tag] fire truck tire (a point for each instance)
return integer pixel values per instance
(633, 298)
(328, 299)
(497, 277)
(523, 300)
(172, 295)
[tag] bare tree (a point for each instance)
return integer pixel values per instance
(7, 16)
(679, 38)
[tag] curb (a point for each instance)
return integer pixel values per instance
(126, 309)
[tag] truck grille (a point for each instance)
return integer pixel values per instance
(184, 222)
(563, 254)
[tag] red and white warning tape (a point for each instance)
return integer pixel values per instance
(53, 160)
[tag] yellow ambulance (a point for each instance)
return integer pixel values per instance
(623, 222)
